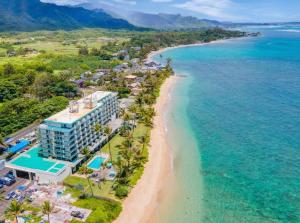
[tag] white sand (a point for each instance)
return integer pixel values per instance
(144, 198)
(142, 201)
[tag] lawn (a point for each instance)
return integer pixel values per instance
(102, 211)
(102, 190)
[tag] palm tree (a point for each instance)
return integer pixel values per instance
(97, 128)
(134, 110)
(85, 151)
(127, 155)
(47, 209)
(85, 171)
(122, 171)
(15, 209)
(107, 132)
(126, 118)
(140, 100)
(144, 140)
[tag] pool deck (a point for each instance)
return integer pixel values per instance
(30, 161)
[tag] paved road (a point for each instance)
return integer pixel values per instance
(22, 133)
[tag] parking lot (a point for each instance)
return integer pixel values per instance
(6, 189)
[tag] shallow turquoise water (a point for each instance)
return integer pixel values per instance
(239, 108)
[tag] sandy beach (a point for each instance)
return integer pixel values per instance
(142, 201)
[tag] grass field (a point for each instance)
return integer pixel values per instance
(102, 211)
(102, 190)
(54, 42)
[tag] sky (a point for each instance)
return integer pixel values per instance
(223, 10)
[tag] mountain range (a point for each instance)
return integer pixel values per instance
(30, 15)
(160, 21)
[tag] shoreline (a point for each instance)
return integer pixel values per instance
(157, 52)
(142, 201)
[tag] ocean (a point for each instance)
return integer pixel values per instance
(234, 129)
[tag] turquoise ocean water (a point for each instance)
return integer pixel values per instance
(234, 127)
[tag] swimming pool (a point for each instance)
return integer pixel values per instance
(31, 161)
(96, 162)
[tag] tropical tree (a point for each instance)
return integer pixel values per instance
(47, 209)
(86, 152)
(128, 142)
(140, 99)
(97, 128)
(144, 139)
(85, 171)
(122, 171)
(134, 110)
(126, 117)
(107, 132)
(14, 209)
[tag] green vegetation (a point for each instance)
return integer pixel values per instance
(47, 209)
(14, 210)
(21, 112)
(29, 15)
(41, 65)
(79, 186)
(102, 211)
(32, 87)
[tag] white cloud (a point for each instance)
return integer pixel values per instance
(130, 2)
(213, 8)
(77, 2)
(66, 2)
(162, 1)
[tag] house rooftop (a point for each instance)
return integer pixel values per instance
(79, 109)
(130, 77)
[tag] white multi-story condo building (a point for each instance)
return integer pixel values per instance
(65, 134)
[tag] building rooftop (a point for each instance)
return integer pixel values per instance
(32, 162)
(80, 108)
(130, 77)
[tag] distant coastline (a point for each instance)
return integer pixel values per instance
(162, 50)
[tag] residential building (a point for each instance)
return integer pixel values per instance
(65, 134)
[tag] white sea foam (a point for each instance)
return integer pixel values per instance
(290, 30)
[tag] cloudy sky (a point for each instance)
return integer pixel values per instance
(225, 10)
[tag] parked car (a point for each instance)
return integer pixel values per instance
(20, 198)
(10, 195)
(77, 214)
(2, 181)
(10, 175)
(7, 181)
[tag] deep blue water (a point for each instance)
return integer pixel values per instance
(244, 110)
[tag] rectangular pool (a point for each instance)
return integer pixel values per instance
(96, 162)
(31, 161)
